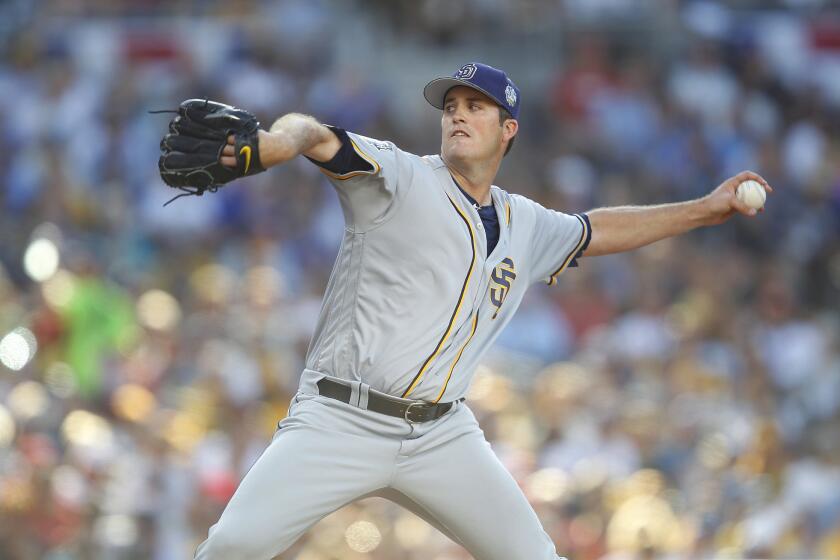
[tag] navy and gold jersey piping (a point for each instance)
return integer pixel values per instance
(577, 251)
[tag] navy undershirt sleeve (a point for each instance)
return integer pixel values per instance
(586, 241)
(346, 159)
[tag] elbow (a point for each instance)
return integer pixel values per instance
(602, 243)
(595, 249)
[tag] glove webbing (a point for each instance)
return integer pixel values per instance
(188, 191)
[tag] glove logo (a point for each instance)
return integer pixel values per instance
(503, 276)
(247, 151)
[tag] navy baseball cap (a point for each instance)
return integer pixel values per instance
(490, 81)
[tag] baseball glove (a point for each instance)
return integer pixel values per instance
(190, 153)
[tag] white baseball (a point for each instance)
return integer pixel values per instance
(751, 193)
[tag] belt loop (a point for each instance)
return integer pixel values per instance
(364, 391)
(354, 393)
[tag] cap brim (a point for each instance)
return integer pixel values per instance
(435, 91)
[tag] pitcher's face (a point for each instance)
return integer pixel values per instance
(470, 129)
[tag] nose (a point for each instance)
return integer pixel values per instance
(457, 114)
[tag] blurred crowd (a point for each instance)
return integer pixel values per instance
(680, 401)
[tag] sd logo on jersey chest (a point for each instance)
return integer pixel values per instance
(503, 276)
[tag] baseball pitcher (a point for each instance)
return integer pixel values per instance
(434, 262)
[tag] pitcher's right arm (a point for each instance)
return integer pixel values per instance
(290, 135)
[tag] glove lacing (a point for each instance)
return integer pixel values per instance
(192, 191)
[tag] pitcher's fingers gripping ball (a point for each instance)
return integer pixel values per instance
(191, 153)
(751, 193)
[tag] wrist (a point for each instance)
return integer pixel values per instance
(701, 212)
(272, 150)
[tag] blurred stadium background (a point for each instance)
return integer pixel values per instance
(681, 401)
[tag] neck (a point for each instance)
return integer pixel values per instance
(474, 179)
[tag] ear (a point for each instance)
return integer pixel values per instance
(510, 128)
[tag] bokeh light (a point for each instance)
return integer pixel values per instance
(713, 451)
(17, 348)
(40, 261)
(7, 427)
(489, 390)
(481, 384)
(69, 485)
(213, 283)
(518, 430)
(59, 289)
(16, 494)
(646, 522)
(647, 482)
(411, 531)
(158, 311)
(590, 473)
(264, 285)
(116, 530)
(184, 431)
(86, 429)
(563, 381)
(363, 536)
(28, 399)
(60, 380)
(548, 485)
(133, 402)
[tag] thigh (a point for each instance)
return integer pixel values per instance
(308, 471)
(468, 491)
(401, 499)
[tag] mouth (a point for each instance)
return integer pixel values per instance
(458, 133)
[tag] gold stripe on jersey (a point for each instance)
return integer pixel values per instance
(351, 174)
(427, 363)
(507, 212)
(568, 259)
(458, 357)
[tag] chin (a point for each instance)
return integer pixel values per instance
(456, 153)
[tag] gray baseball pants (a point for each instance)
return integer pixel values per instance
(327, 454)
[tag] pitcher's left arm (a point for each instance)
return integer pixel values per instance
(623, 228)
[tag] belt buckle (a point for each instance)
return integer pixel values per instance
(407, 413)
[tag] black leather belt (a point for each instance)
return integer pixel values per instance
(412, 411)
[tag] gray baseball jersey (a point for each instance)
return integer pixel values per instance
(414, 300)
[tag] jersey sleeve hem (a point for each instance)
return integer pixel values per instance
(577, 252)
(350, 160)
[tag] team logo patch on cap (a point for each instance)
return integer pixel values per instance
(466, 72)
(510, 95)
